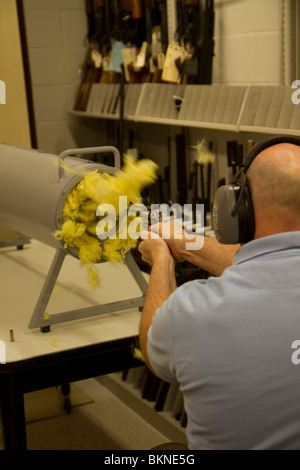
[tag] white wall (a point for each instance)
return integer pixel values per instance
(248, 42)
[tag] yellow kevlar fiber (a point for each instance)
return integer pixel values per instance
(80, 207)
(204, 155)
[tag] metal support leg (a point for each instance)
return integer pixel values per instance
(38, 320)
(136, 273)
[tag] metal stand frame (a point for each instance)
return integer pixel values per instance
(17, 242)
(38, 320)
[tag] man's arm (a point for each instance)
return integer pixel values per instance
(212, 257)
(161, 285)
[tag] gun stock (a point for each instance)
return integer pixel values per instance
(89, 10)
(206, 44)
(137, 9)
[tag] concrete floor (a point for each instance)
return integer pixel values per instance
(105, 424)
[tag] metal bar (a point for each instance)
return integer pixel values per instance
(41, 305)
(87, 151)
(136, 273)
(88, 312)
(38, 320)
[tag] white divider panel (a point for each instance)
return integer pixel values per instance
(212, 103)
(251, 105)
(219, 110)
(167, 103)
(266, 109)
(132, 96)
(287, 110)
(275, 106)
(203, 103)
(96, 98)
(270, 110)
(235, 99)
(264, 105)
(295, 121)
(110, 101)
(148, 98)
(91, 105)
(192, 94)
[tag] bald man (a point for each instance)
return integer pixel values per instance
(228, 341)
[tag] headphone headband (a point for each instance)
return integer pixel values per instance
(260, 147)
(266, 143)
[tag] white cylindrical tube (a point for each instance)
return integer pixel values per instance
(34, 187)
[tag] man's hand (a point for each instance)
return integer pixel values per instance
(174, 236)
(153, 248)
(211, 255)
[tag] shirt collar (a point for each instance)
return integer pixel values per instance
(264, 245)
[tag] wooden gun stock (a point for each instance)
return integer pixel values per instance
(137, 9)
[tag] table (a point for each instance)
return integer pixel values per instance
(70, 351)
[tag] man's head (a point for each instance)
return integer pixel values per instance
(263, 198)
(274, 182)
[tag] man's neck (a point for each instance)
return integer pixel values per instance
(267, 226)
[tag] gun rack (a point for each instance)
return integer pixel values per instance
(39, 320)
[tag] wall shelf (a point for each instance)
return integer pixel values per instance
(262, 109)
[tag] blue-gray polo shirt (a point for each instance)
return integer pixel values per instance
(228, 342)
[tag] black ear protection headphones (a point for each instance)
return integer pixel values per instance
(233, 216)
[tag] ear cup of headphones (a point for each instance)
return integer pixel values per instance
(231, 228)
(225, 225)
(245, 216)
(233, 215)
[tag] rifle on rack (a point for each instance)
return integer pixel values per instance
(162, 8)
(199, 69)
(99, 22)
(205, 47)
(91, 70)
(89, 9)
(142, 68)
(182, 47)
(187, 16)
(160, 37)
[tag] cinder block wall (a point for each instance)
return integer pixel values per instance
(55, 34)
(248, 36)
